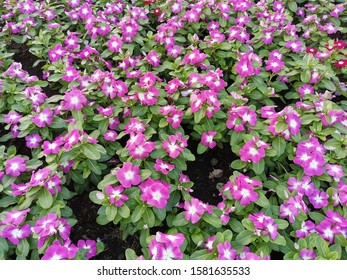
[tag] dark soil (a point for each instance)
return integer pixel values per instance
(87, 228)
(202, 170)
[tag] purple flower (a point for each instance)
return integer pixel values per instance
(162, 166)
(155, 192)
(74, 100)
(116, 196)
(44, 118)
(318, 199)
(56, 252)
(153, 58)
(52, 148)
(295, 46)
(115, 44)
(207, 139)
(275, 65)
(14, 233)
(16, 217)
(15, 166)
(89, 245)
(307, 227)
(33, 140)
(129, 175)
(194, 210)
(225, 252)
(307, 254)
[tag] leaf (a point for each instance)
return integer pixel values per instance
(139, 111)
(280, 240)
(279, 144)
(180, 163)
(262, 200)
(93, 166)
(180, 220)
(280, 126)
(45, 199)
(259, 167)
(317, 217)
(124, 211)
(149, 218)
(340, 239)
(187, 154)
(238, 164)
(111, 212)
(212, 219)
(329, 85)
(138, 212)
(145, 174)
(198, 116)
(201, 255)
(97, 197)
(90, 151)
(245, 237)
(305, 76)
(282, 224)
(201, 149)
(158, 153)
(322, 246)
(160, 213)
(236, 225)
(130, 254)
(55, 77)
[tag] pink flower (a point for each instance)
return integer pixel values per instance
(89, 245)
(33, 140)
(14, 233)
(194, 210)
(38, 177)
(195, 57)
(52, 148)
(175, 145)
(15, 166)
(153, 58)
(253, 150)
(225, 252)
(244, 68)
(110, 135)
(16, 217)
(162, 166)
(207, 139)
(129, 175)
(115, 44)
(307, 254)
(243, 190)
(56, 252)
(175, 118)
(295, 46)
(264, 225)
(166, 246)
(155, 192)
(275, 65)
(44, 118)
(318, 199)
(116, 196)
(305, 89)
(13, 117)
(53, 184)
(335, 170)
(74, 100)
(71, 139)
(56, 53)
(307, 227)
(326, 230)
(71, 74)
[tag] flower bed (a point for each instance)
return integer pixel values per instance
(197, 129)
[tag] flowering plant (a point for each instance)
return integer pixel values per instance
(125, 91)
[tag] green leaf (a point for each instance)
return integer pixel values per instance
(180, 163)
(55, 77)
(213, 220)
(282, 224)
(97, 197)
(93, 166)
(138, 212)
(329, 85)
(280, 126)
(201, 149)
(124, 211)
(340, 239)
(262, 200)
(45, 199)
(201, 255)
(259, 167)
(180, 220)
(305, 76)
(238, 164)
(280, 240)
(236, 225)
(149, 218)
(145, 174)
(187, 154)
(160, 213)
(293, 6)
(322, 246)
(139, 111)
(111, 212)
(90, 151)
(279, 144)
(317, 217)
(158, 153)
(130, 254)
(198, 116)
(245, 237)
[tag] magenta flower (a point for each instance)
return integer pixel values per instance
(52, 148)
(173, 85)
(175, 118)
(116, 196)
(294, 46)
(115, 44)
(162, 166)
(71, 139)
(326, 230)
(153, 58)
(53, 184)
(129, 175)
(38, 177)
(244, 68)
(305, 89)
(209, 243)
(19, 189)
(14, 233)
(45, 227)
(307, 254)
(44, 118)
(175, 145)
(16, 217)
(166, 246)
(15, 166)
(155, 192)
(264, 225)
(318, 199)
(194, 210)
(275, 65)
(207, 139)
(56, 252)
(74, 100)
(307, 227)
(225, 252)
(33, 141)
(89, 245)
(110, 135)
(56, 53)
(253, 150)
(13, 117)
(195, 57)
(71, 74)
